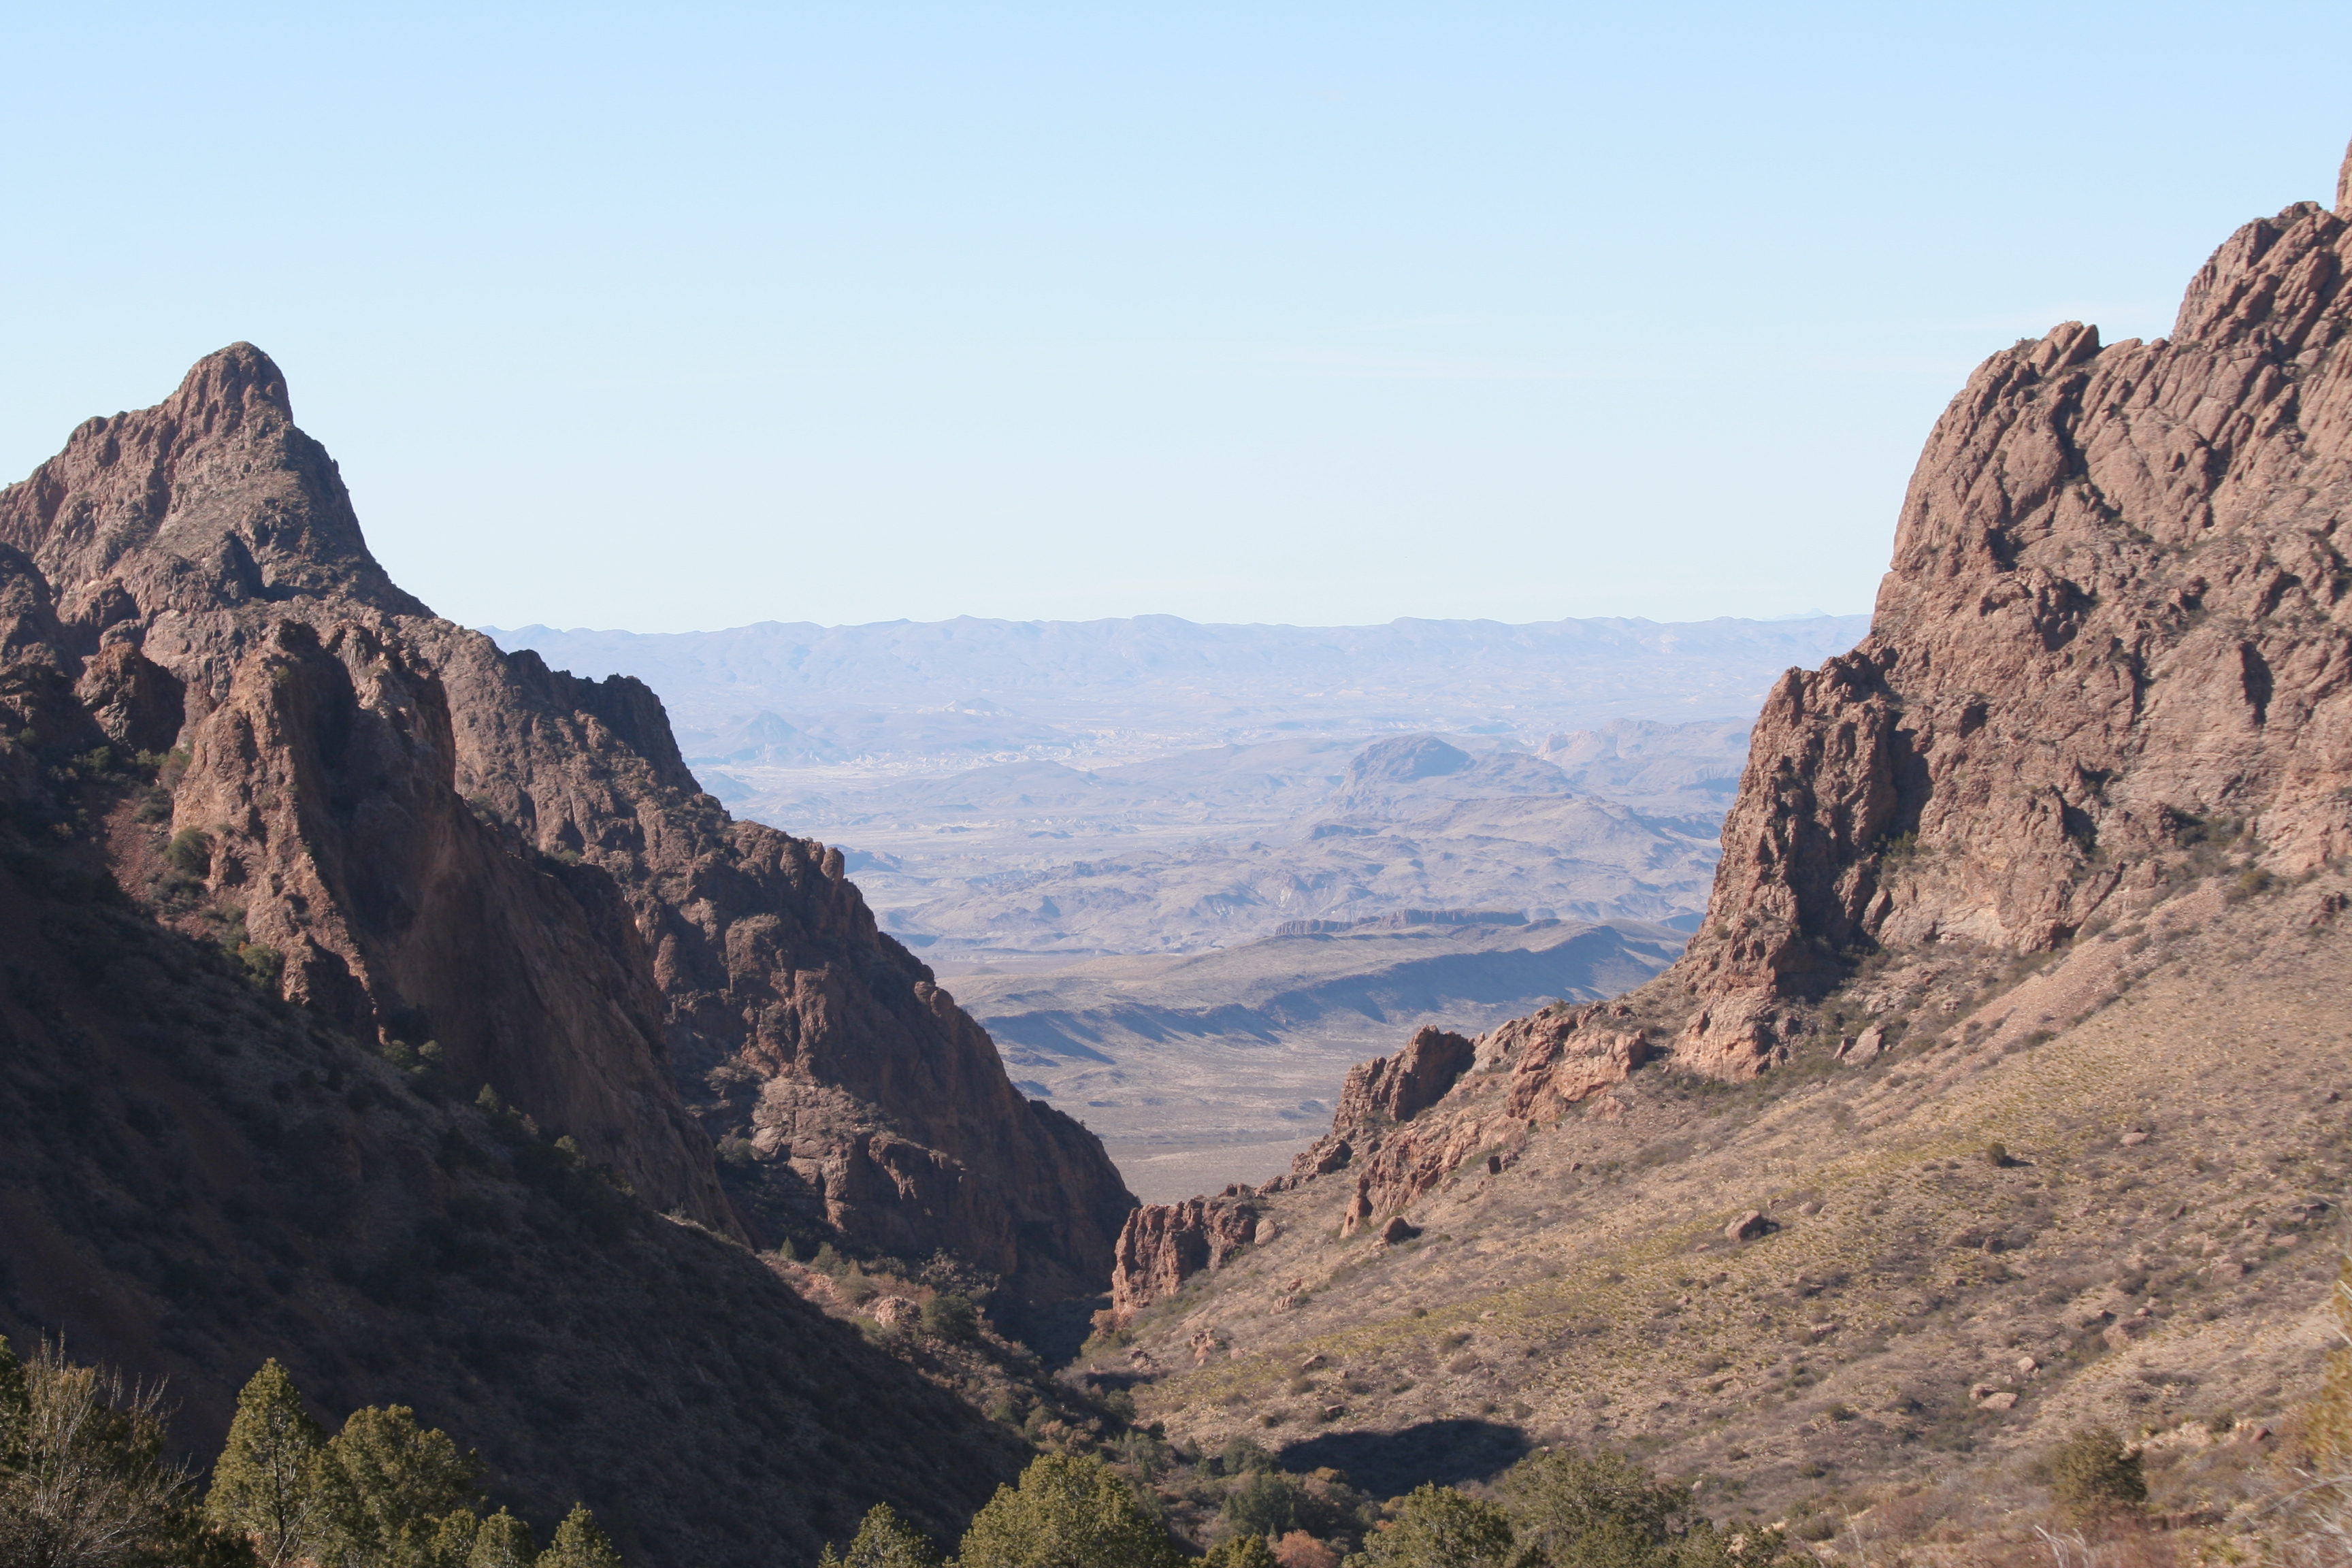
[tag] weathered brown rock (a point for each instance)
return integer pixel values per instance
(1398, 1087)
(1562, 1057)
(136, 702)
(440, 840)
(1163, 1245)
(2115, 629)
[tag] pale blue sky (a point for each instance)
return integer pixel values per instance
(694, 315)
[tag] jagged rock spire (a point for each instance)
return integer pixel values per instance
(2344, 186)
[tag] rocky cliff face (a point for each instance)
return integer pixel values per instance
(2114, 630)
(420, 838)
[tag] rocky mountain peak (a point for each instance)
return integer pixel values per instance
(421, 837)
(2114, 628)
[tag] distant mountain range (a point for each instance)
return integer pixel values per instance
(973, 689)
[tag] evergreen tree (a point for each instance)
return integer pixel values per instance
(885, 1541)
(1066, 1512)
(502, 1540)
(1437, 1527)
(951, 1317)
(580, 1544)
(453, 1538)
(265, 1483)
(1243, 1550)
(390, 1486)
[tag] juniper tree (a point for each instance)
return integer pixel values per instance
(2092, 1472)
(580, 1544)
(266, 1483)
(1437, 1527)
(1590, 1508)
(502, 1540)
(1243, 1550)
(391, 1486)
(885, 1541)
(1066, 1512)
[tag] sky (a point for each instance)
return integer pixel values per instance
(678, 317)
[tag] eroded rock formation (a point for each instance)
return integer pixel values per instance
(2115, 627)
(423, 839)
(1166, 1243)
(1492, 1091)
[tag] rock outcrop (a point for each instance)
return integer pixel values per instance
(1165, 1245)
(2115, 633)
(426, 840)
(1529, 1070)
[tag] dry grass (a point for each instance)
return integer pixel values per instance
(1588, 1292)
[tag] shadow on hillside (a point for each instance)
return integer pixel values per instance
(1388, 1464)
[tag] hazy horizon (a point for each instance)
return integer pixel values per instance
(1314, 315)
(494, 631)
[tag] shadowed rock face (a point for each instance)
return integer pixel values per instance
(2115, 622)
(438, 841)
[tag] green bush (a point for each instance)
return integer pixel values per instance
(951, 1318)
(1268, 1502)
(190, 852)
(2092, 1473)
(1437, 1527)
(1066, 1511)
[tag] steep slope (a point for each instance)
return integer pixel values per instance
(2004, 1092)
(437, 841)
(195, 1174)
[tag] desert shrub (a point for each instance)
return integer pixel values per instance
(2091, 1472)
(951, 1317)
(190, 852)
